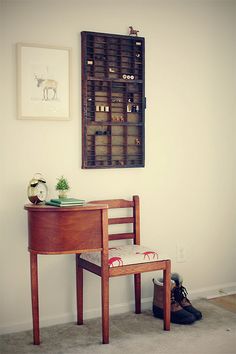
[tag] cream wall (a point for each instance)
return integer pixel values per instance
(187, 187)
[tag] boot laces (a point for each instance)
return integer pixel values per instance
(180, 293)
(175, 306)
(173, 298)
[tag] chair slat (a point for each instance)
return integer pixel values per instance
(115, 203)
(122, 220)
(123, 236)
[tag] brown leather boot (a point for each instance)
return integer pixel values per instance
(177, 314)
(180, 295)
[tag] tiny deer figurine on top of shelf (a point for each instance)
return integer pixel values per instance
(132, 31)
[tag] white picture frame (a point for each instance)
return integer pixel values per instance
(43, 82)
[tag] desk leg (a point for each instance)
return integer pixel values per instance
(79, 291)
(34, 296)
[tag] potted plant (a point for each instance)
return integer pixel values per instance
(62, 187)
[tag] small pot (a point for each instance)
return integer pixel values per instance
(62, 193)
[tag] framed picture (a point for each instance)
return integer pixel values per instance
(43, 82)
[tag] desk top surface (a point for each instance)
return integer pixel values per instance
(48, 208)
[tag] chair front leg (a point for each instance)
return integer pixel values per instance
(167, 295)
(105, 308)
(137, 292)
(79, 291)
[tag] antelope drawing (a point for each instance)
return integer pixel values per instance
(132, 31)
(148, 254)
(49, 88)
(112, 260)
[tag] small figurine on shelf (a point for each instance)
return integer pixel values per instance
(132, 31)
(137, 141)
(62, 187)
(128, 77)
(115, 119)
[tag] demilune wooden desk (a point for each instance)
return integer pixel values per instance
(61, 230)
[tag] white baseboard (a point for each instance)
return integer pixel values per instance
(214, 291)
(208, 293)
(44, 322)
(69, 317)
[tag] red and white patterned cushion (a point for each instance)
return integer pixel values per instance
(123, 255)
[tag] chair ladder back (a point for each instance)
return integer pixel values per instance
(122, 203)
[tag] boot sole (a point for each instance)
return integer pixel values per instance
(197, 314)
(184, 316)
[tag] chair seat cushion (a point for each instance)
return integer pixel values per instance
(123, 255)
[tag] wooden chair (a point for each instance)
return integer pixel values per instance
(115, 261)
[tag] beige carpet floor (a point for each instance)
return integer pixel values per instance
(134, 334)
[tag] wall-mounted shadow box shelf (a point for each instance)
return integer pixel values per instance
(113, 100)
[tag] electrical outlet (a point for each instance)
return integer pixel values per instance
(180, 253)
